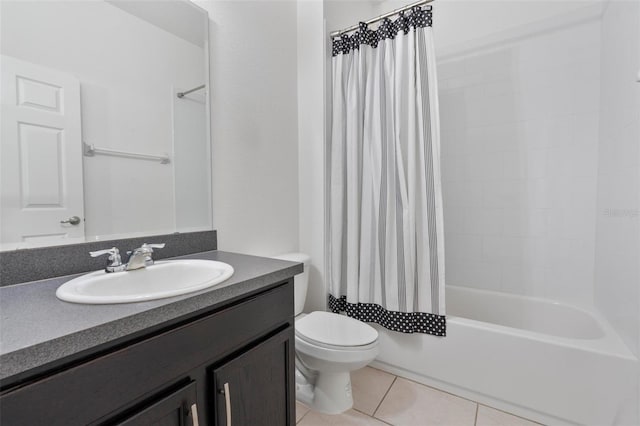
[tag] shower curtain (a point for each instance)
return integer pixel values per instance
(386, 237)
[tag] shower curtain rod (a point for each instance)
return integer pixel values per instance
(380, 18)
(186, 92)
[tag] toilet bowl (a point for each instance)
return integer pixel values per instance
(328, 347)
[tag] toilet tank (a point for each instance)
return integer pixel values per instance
(301, 281)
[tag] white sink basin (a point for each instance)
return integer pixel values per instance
(164, 279)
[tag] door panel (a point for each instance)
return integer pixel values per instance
(254, 387)
(177, 409)
(40, 155)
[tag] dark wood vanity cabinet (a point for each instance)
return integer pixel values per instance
(252, 389)
(232, 366)
(176, 409)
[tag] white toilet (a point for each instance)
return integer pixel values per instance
(328, 347)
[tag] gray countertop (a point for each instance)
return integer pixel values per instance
(39, 332)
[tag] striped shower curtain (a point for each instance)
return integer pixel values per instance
(386, 237)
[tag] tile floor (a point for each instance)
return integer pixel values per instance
(382, 399)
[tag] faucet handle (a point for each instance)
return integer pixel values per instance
(141, 257)
(115, 261)
(112, 252)
(154, 246)
(147, 248)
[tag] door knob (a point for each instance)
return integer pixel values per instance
(73, 220)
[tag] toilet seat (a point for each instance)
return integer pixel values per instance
(333, 331)
(321, 345)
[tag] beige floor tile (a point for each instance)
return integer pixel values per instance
(301, 410)
(350, 418)
(412, 404)
(369, 387)
(490, 417)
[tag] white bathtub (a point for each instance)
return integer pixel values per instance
(547, 361)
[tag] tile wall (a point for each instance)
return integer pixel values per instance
(520, 162)
(618, 219)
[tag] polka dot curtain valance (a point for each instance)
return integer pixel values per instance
(385, 226)
(388, 29)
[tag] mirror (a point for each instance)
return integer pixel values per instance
(104, 121)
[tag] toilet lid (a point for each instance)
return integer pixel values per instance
(336, 330)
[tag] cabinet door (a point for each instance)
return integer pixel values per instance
(257, 387)
(177, 409)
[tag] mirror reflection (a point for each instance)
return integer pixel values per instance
(105, 130)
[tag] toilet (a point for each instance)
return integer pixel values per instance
(328, 347)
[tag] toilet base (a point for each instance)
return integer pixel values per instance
(331, 393)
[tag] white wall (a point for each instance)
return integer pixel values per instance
(311, 134)
(617, 273)
(121, 109)
(462, 21)
(519, 158)
(340, 14)
(254, 125)
(618, 220)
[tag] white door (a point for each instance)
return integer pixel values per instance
(40, 155)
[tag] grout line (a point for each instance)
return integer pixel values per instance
(452, 394)
(379, 369)
(385, 395)
(395, 378)
(371, 417)
(381, 421)
(508, 413)
(462, 397)
(434, 388)
(304, 415)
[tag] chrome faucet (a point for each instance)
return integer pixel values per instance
(141, 257)
(138, 258)
(114, 263)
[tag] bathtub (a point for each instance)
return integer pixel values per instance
(547, 361)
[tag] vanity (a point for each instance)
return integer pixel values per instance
(221, 356)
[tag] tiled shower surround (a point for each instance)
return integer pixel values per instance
(618, 221)
(520, 162)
